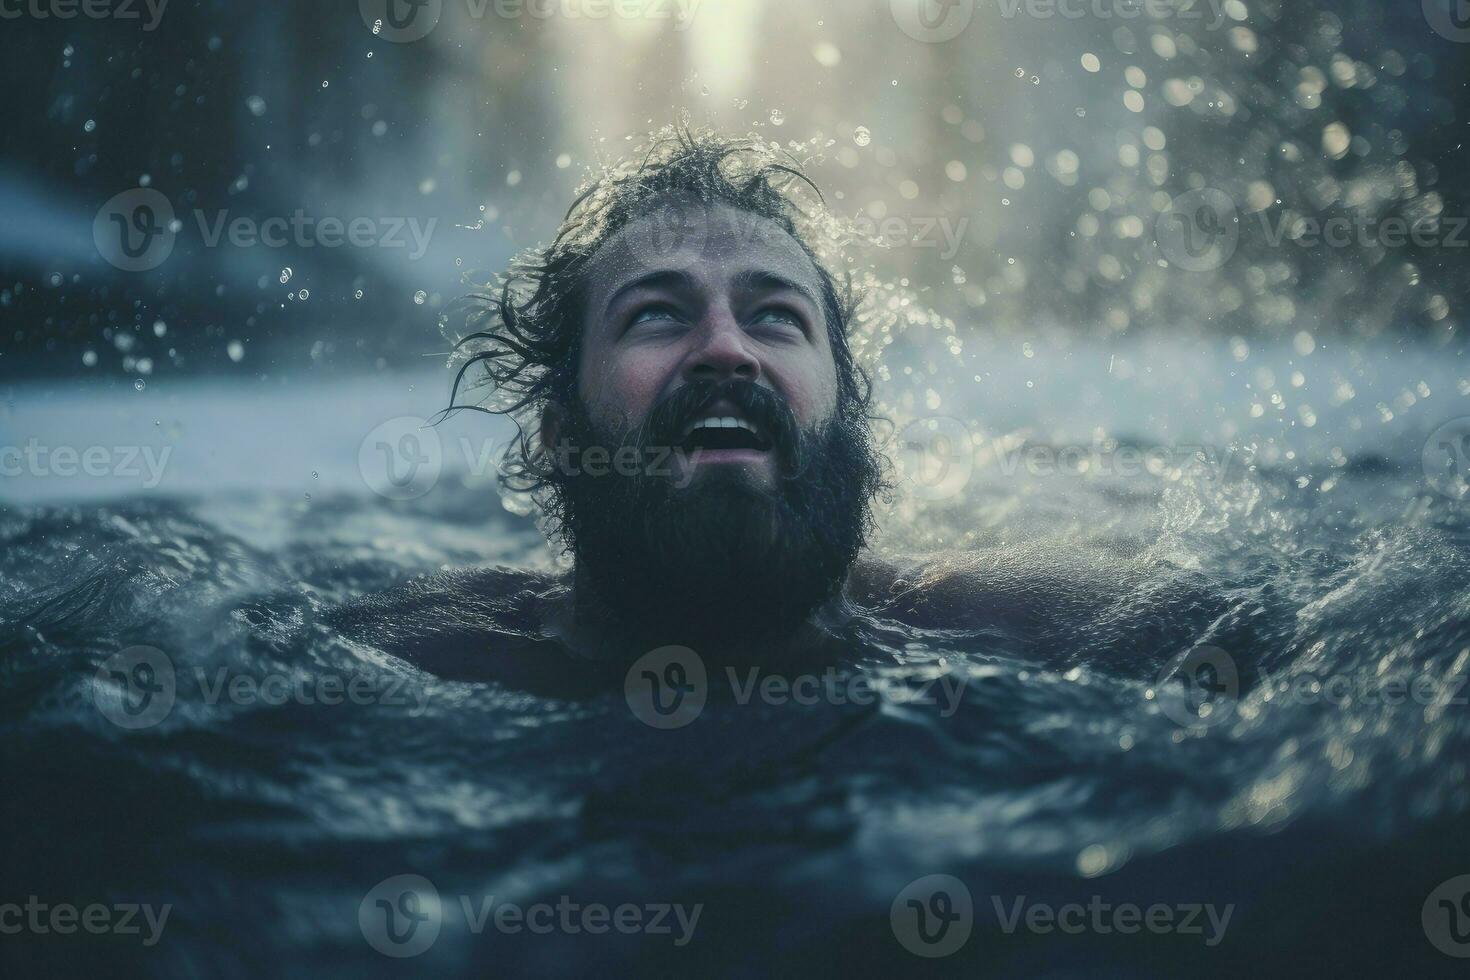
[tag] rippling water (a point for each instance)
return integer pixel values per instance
(1322, 797)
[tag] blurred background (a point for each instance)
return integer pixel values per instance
(194, 189)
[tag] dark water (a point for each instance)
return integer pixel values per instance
(1060, 771)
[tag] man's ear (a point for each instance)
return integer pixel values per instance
(551, 417)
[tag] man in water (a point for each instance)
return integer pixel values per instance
(699, 441)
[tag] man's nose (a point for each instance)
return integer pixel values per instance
(722, 352)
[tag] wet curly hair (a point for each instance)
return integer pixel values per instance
(524, 330)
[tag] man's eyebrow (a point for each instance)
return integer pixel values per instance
(671, 279)
(760, 280)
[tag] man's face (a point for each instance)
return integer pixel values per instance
(689, 294)
(706, 351)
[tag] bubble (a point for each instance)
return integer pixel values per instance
(304, 294)
(1035, 79)
(140, 384)
(235, 350)
(862, 136)
(89, 125)
(286, 274)
(420, 297)
(357, 295)
(89, 358)
(778, 118)
(324, 83)
(1081, 112)
(1020, 73)
(159, 328)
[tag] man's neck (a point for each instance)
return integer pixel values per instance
(595, 629)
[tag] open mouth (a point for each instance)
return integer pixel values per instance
(717, 432)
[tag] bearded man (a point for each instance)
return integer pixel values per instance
(696, 434)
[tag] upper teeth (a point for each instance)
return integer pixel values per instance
(720, 422)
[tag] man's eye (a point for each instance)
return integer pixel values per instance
(776, 314)
(654, 314)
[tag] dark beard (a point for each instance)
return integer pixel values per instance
(723, 563)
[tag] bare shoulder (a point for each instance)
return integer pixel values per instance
(1026, 587)
(451, 622)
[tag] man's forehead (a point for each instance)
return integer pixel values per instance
(713, 243)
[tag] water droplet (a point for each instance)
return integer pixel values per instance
(235, 350)
(89, 358)
(862, 136)
(1020, 73)
(286, 274)
(1035, 79)
(1081, 112)
(420, 297)
(778, 118)
(324, 83)
(89, 125)
(304, 294)
(140, 384)
(357, 295)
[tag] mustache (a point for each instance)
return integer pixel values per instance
(765, 408)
